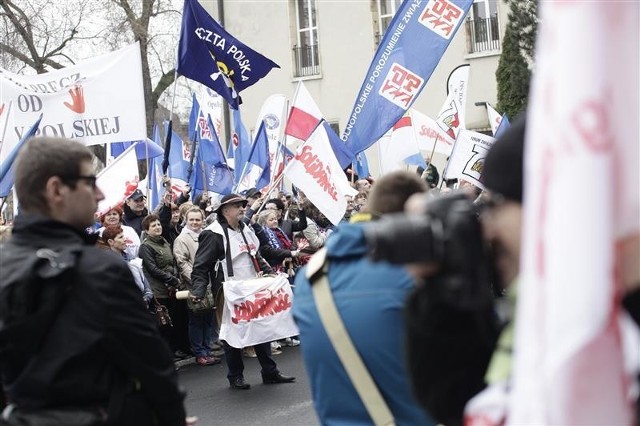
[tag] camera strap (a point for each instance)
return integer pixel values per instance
(317, 273)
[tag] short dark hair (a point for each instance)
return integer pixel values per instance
(110, 232)
(39, 160)
(392, 191)
(148, 219)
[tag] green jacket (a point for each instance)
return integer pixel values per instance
(159, 266)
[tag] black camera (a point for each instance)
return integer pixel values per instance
(451, 323)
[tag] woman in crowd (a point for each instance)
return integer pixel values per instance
(201, 321)
(159, 268)
(114, 217)
(113, 238)
(288, 226)
(275, 246)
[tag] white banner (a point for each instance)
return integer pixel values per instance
(257, 311)
(427, 131)
(581, 203)
(315, 170)
(494, 118)
(467, 158)
(397, 145)
(119, 179)
(211, 104)
(273, 113)
(97, 101)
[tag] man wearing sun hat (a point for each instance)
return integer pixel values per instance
(229, 234)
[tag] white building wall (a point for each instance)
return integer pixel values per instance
(346, 40)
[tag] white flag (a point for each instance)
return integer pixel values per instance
(273, 113)
(467, 158)
(211, 103)
(581, 201)
(97, 101)
(494, 118)
(427, 131)
(397, 145)
(119, 179)
(451, 117)
(315, 170)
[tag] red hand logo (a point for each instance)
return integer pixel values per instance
(77, 98)
(1, 109)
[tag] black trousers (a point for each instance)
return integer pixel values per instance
(236, 366)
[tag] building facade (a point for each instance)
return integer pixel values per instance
(329, 45)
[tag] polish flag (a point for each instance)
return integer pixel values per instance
(581, 207)
(304, 115)
(316, 171)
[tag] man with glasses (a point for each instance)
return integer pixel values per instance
(76, 341)
(135, 210)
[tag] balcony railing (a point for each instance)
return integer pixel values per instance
(306, 61)
(483, 35)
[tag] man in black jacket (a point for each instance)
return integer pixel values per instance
(134, 211)
(75, 337)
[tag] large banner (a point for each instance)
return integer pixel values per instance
(451, 117)
(581, 210)
(97, 101)
(412, 46)
(467, 158)
(118, 180)
(429, 133)
(257, 311)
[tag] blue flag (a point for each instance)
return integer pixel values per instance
(154, 175)
(361, 165)
(210, 55)
(179, 157)
(259, 156)
(412, 46)
(342, 152)
(210, 169)
(416, 160)
(504, 125)
(142, 150)
(7, 174)
(193, 116)
(239, 145)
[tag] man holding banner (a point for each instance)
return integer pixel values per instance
(228, 251)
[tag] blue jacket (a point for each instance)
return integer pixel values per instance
(370, 298)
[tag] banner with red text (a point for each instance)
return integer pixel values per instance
(427, 131)
(119, 179)
(256, 311)
(581, 207)
(97, 101)
(316, 171)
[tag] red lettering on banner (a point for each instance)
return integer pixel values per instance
(205, 131)
(264, 304)
(318, 170)
(591, 122)
(400, 86)
(441, 17)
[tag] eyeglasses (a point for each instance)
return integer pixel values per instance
(91, 180)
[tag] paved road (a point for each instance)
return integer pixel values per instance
(214, 403)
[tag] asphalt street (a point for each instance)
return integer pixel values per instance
(214, 403)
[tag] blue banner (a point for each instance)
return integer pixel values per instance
(179, 156)
(259, 156)
(503, 126)
(142, 150)
(342, 152)
(411, 48)
(154, 175)
(210, 169)
(210, 55)
(361, 165)
(239, 145)
(7, 174)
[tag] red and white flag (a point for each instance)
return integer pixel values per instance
(316, 171)
(494, 118)
(581, 202)
(427, 131)
(451, 117)
(304, 115)
(399, 144)
(119, 179)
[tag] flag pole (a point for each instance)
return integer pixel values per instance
(433, 149)
(446, 166)
(6, 123)
(146, 154)
(167, 140)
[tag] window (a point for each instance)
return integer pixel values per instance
(483, 31)
(305, 51)
(385, 9)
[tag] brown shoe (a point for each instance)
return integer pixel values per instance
(207, 360)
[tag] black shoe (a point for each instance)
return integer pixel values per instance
(273, 379)
(180, 354)
(238, 383)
